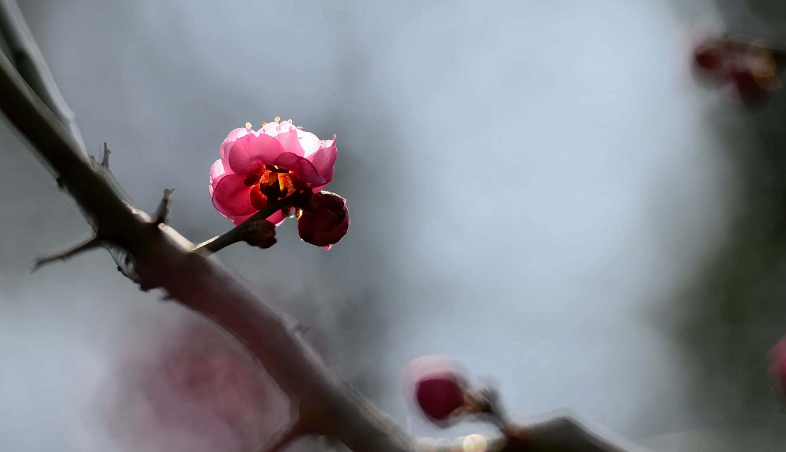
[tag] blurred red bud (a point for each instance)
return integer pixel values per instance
(439, 387)
(709, 57)
(439, 395)
(747, 87)
(777, 358)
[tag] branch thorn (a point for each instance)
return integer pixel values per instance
(105, 158)
(163, 208)
(93, 242)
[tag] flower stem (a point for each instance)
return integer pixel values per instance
(235, 234)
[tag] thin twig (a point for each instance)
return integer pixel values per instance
(499, 416)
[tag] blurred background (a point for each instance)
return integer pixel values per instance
(539, 190)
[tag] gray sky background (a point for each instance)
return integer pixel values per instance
(528, 183)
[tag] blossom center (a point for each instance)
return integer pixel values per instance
(270, 183)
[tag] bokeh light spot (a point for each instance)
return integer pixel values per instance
(475, 443)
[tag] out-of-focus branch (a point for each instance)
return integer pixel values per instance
(162, 258)
(19, 46)
(561, 433)
(284, 438)
(27, 58)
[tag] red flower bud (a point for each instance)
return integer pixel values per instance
(324, 220)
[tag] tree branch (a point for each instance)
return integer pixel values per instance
(162, 258)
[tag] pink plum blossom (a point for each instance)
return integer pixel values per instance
(261, 166)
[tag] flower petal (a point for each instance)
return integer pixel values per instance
(216, 174)
(277, 218)
(271, 128)
(285, 126)
(302, 168)
(252, 151)
(229, 141)
(324, 160)
(290, 142)
(232, 198)
(309, 142)
(241, 218)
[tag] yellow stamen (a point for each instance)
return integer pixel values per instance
(278, 118)
(289, 120)
(299, 127)
(248, 125)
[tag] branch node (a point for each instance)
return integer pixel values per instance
(260, 233)
(297, 327)
(163, 208)
(93, 242)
